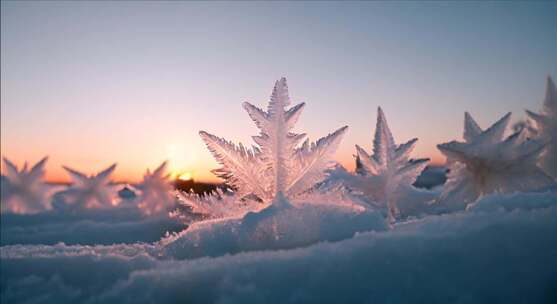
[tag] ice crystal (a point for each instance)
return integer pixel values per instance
(24, 191)
(546, 126)
(156, 191)
(487, 163)
(278, 164)
(381, 176)
(215, 205)
(92, 191)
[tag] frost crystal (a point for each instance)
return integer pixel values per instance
(546, 125)
(90, 191)
(24, 191)
(216, 205)
(156, 191)
(380, 176)
(486, 163)
(278, 164)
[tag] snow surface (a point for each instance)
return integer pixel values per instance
(280, 226)
(504, 253)
(123, 224)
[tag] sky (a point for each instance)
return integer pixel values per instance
(93, 83)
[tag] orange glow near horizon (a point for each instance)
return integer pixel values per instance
(131, 173)
(186, 176)
(88, 98)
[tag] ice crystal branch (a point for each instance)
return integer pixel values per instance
(278, 164)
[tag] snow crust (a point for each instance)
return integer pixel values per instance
(504, 253)
(122, 224)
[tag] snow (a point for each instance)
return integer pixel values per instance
(295, 227)
(479, 256)
(122, 224)
(279, 226)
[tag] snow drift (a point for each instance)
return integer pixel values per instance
(123, 224)
(490, 255)
(280, 226)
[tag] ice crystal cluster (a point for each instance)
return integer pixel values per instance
(487, 162)
(94, 191)
(155, 191)
(281, 162)
(380, 177)
(24, 191)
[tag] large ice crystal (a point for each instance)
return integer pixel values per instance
(546, 126)
(24, 191)
(278, 164)
(277, 201)
(487, 163)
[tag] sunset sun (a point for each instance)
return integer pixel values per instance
(184, 176)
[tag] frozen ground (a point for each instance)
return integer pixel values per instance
(504, 250)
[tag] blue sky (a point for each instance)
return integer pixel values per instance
(90, 83)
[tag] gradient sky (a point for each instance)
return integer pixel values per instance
(91, 83)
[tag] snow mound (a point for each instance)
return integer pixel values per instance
(518, 200)
(280, 226)
(486, 256)
(122, 224)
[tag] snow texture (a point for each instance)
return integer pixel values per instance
(546, 128)
(486, 163)
(494, 255)
(24, 190)
(121, 224)
(280, 226)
